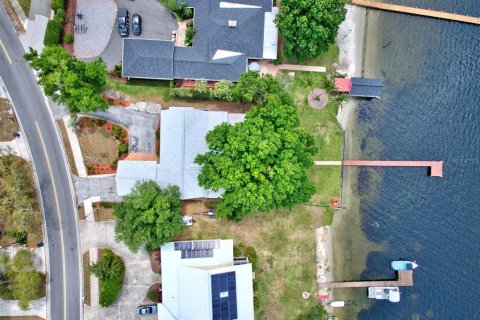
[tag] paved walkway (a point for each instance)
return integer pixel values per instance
(138, 275)
(99, 17)
(103, 186)
(75, 146)
(35, 25)
(270, 68)
(141, 127)
(37, 308)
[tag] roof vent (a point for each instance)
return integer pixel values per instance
(232, 23)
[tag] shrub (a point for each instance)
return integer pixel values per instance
(68, 38)
(276, 62)
(186, 93)
(53, 33)
(57, 4)
(183, 12)
(223, 90)
(117, 70)
(189, 34)
(101, 122)
(152, 296)
(251, 254)
(114, 163)
(110, 271)
(60, 16)
(122, 148)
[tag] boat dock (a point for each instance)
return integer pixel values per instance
(417, 11)
(436, 167)
(405, 279)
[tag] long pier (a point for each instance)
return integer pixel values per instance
(417, 11)
(405, 279)
(436, 167)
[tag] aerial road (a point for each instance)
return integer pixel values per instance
(64, 294)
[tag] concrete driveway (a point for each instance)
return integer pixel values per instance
(157, 23)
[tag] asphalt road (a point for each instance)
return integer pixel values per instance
(64, 295)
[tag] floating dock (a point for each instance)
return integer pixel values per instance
(417, 11)
(405, 279)
(436, 167)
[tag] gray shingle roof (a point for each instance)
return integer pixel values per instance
(366, 87)
(212, 34)
(143, 58)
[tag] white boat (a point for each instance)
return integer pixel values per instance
(403, 265)
(391, 294)
(337, 304)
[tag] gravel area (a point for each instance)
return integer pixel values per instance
(99, 17)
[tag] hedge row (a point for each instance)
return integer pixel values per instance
(53, 33)
(58, 4)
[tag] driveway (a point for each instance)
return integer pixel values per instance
(157, 23)
(141, 126)
(138, 273)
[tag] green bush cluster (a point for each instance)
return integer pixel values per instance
(183, 12)
(53, 33)
(241, 250)
(189, 34)
(118, 133)
(68, 38)
(57, 4)
(122, 148)
(110, 271)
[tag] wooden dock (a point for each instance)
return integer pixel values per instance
(436, 167)
(405, 279)
(417, 11)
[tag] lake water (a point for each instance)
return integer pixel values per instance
(430, 110)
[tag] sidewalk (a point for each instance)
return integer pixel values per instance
(37, 308)
(35, 25)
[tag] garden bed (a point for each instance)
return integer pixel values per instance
(8, 123)
(68, 147)
(102, 143)
(154, 294)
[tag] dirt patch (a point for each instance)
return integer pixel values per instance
(97, 145)
(194, 207)
(68, 147)
(70, 8)
(154, 294)
(103, 214)
(8, 123)
(155, 261)
(86, 278)
(318, 99)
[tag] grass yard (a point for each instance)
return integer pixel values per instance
(146, 90)
(325, 60)
(322, 124)
(285, 244)
(8, 123)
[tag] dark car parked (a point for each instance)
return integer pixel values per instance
(122, 22)
(150, 309)
(136, 24)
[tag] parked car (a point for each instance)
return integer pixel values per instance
(150, 309)
(137, 24)
(122, 22)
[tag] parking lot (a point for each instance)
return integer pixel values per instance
(157, 23)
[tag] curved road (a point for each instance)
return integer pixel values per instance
(53, 176)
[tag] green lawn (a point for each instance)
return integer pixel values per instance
(322, 124)
(142, 89)
(324, 60)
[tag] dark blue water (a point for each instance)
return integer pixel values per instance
(430, 110)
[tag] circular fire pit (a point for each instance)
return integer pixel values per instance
(318, 98)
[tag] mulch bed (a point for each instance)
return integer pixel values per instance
(155, 260)
(95, 168)
(70, 9)
(318, 98)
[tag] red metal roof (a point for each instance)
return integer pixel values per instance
(343, 84)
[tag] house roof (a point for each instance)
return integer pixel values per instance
(144, 58)
(227, 33)
(206, 288)
(366, 87)
(182, 134)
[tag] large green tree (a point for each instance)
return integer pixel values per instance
(309, 27)
(149, 215)
(260, 164)
(67, 80)
(252, 87)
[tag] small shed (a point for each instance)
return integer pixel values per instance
(343, 84)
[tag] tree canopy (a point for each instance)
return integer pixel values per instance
(309, 27)
(252, 87)
(68, 80)
(19, 280)
(148, 215)
(260, 163)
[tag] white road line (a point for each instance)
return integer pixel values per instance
(6, 52)
(59, 220)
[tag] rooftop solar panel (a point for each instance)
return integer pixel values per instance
(224, 296)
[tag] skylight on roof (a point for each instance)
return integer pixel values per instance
(222, 54)
(231, 5)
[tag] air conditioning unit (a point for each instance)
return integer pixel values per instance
(232, 23)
